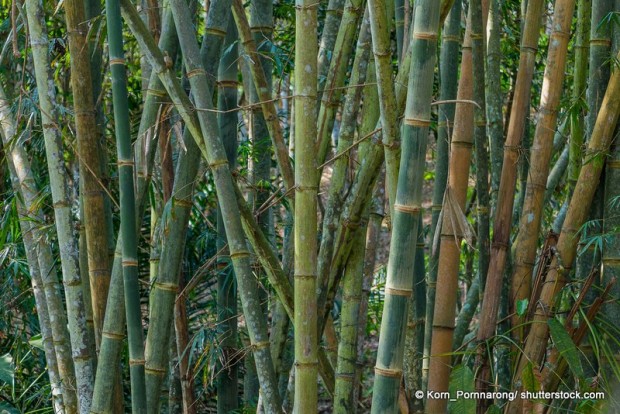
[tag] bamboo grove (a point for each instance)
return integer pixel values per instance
(407, 206)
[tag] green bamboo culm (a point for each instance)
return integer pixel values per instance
(306, 181)
(127, 205)
(407, 208)
(227, 381)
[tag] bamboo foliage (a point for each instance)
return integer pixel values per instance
(398, 288)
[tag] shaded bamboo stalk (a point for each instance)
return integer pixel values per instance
(540, 152)
(387, 100)
(453, 206)
(24, 186)
(227, 381)
(407, 206)
(344, 401)
(448, 71)
(562, 261)
(332, 92)
(89, 155)
(333, 17)
(494, 99)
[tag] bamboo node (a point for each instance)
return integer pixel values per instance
(136, 362)
(181, 202)
(462, 144)
(482, 210)
(481, 123)
(350, 224)
(227, 84)
(611, 261)
(125, 163)
(345, 377)
(261, 345)
(388, 372)
(306, 364)
(613, 164)
(217, 163)
(239, 255)
(417, 122)
(398, 292)
(407, 209)
(425, 35)
(130, 262)
(112, 335)
(117, 61)
(436, 207)
(61, 203)
(259, 29)
(304, 276)
(157, 371)
(215, 31)
(168, 287)
(196, 72)
(475, 36)
(156, 92)
(600, 42)
(450, 38)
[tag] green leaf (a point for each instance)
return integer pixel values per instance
(530, 383)
(37, 342)
(6, 368)
(461, 379)
(494, 409)
(566, 347)
(6, 408)
(522, 306)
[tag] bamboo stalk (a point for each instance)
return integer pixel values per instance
(562, 261)
(332, 92)
(227, 392)
(448, 71)
(213, 149)
(453, 207)
(128, 207)
(305, 221)
(89, 155)
(80, 340)
(333, 17)
(529, 225)
(387, 99)
(407, 208)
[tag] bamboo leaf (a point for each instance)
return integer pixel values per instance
(462, 379)
(37, 342)
(530, 382)
(494, 409)
(522, 306)
(566, 347)
(6, 368)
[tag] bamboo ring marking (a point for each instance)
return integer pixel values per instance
(388, 372)
(196, 72)
(168, 287)
(112, 335)
(125, 163)
(417, 122)
(130, 263)
(182, 202)
(117, 61)
(239, 254)
(613, 163)
(215, 31)
(261, 345)
(136, 361)
(425, 35)
(407, 209)
(217, 163)
(399, 292)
